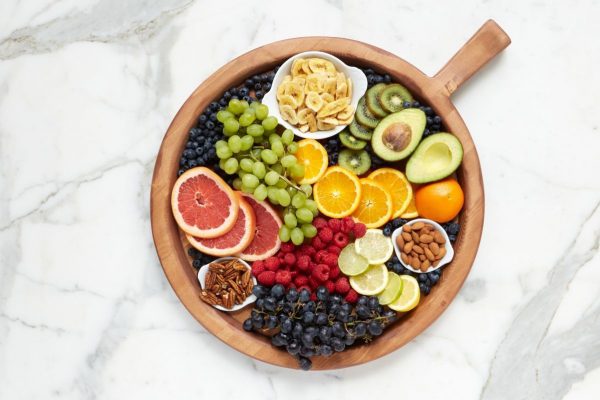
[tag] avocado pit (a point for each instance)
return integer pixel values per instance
(397, 136)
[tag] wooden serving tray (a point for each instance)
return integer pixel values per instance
(435, 91)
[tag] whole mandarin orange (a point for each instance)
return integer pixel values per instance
(440, 201)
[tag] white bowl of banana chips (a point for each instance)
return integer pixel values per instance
(315, 94)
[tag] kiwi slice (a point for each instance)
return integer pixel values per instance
(357, 161)
(351, 142)
(392, 98)
(359, 131)
(364, 116)
(373, 103)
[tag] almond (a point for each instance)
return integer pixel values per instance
(435, 248)
(429, 255)
(416, 263)
(441, 254)
(400, 241)
(439, 238)
(406, 228)
(415, 237)
(418, 249)
(426, 238)
(436, 262)
(425, 265)
(404, 258)
(422, 257)
(418, 225)
(408, 247)
(407, 236)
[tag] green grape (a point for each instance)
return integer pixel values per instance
(255, 130)
(247, 189)
(272, 192)
(299, 200)
(246, 164)
(230, 126)
(220, 144)
(222, 163)
(292, 148)
(279, 150)
(231, 166)
(241, 173)
(283, 197)
(281, 184)
(269, 156)
(284, 234)
(270, 123)
(259, 170)
(287, 137)
(237, 183)
(307, 189)
(247, 142)
(235, 144)
(223, 115)
(288, 160)
(297, 236)
(304, 215)
(250, 181)
(259, 140)
(235, 107)
(271, 178)
(254, 105)
(247, 118)
(297, 170)
(312, 206)
(224, 152)
(273, 137)
(244, 104)
(277, 168)
(255, 153)
(260, 193)
(262, 112)
(290, 220)
(308, 230)
(292, 191)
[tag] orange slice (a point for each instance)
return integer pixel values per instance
(314, 157)
(397, 185)
(411, 210)
(337, 193)
(375, 206)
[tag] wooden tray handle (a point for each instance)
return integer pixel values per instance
(484, 45)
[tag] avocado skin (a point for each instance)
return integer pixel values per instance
(413, 117)
(416, 169)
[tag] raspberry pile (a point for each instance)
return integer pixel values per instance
(313, 264)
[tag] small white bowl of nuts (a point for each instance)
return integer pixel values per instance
(227, 284)
(422, 245)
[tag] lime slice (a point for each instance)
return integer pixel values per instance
(375, 246)
(350, 262)
(410, 296)
(371, 282)
(392, 290)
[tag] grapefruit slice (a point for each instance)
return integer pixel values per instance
(266, 237)
(203, 204)
(234, 241)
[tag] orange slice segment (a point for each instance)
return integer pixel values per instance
(337, 193)
(397, 185)
(411, 210)
(314, 157)
(375, 205)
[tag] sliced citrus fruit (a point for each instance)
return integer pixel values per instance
(392, 290)
(203, 204)
(350, 262)
(410, 296)
(337, 193)
(397, 185)
(314, 157)
(266, 240)
(411, 210)
(371, 282)
(375, 246)
(234, 241)
(375, 205)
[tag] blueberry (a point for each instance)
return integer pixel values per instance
(452, 238)
(407, 104)
(266, 86)
(387, 230)
(378, 79)
(202, 118)
(227, 95)
(210, 124)
(452, 228)
(247, 98)
(244, 92)
(437, 119)
(257, 86)
(422, 278)
(387, 78)
(397, 268)
(433, 278)
(304, 363)
(247, 325)
(249, 82)
(369, 71)
(259, 94)
(415, 104)
(214, 106)
(222, 103)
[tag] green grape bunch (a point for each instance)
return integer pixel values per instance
(266, 166)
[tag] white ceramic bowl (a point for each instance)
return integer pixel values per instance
(449, 250)
(359, 87)
(202, 276)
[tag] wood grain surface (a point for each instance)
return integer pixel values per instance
(171, 244)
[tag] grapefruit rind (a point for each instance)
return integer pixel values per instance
(273, 236)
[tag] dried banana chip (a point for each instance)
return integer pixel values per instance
(346, 113)
(327, 98)
(312, 122)
(287, 100)
(314, 101)
(320, 65)
(303, 128)
(333, 108)
(306, 68)
(296, 91)
(349, 89)
(324, 126)
(297, 67)
(329, 86)
(340, 90)
(282, 85)
(302, 115)
(315, 82)
(300, 80)
(288, 114)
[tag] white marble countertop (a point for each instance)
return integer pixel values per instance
(87, 90)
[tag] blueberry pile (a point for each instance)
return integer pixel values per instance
(333, 146)
(307, 328)
(373, 78)
(199, 258)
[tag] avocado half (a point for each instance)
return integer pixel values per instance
(436, 157)
(397, 135)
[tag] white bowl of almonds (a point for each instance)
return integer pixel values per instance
(422, 245)
(315, 94)
(227, 284)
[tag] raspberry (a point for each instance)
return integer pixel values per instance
(334, 272)
(325, 234)
(303, 262)
(319, 222)
(334, 250)
(340, 239)
(272, 263)
(320, 255)
(283, 277)
(347, 225)
(317, 243)
(313, 296)
(359, 230)
(313, 282)
(330, 259)
(310, 251)
(301, 280)
(341, 285)
(301, 288)
(330, 286)
(258, 267)
(352, 296)
(289, 259)
(266, 278)
(335, 225)
(287, 247)
(321, 272)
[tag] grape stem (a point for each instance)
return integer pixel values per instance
(281, 176)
